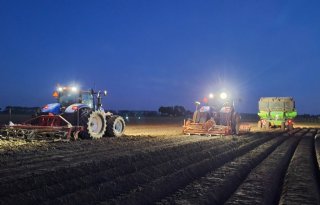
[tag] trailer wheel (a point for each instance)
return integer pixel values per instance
(268, 126)
(116, 126)
(97, 124)
(259, 125)
(283, 126)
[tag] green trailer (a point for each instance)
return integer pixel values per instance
(276, 112)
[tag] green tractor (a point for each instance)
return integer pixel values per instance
(276, 112)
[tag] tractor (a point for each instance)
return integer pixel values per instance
(76, 113)
(216, 118)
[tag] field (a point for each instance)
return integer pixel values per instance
(155, 164)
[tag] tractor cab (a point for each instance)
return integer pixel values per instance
(67, 96)
(69, 99)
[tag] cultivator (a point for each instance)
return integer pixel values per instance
(207, 128)
(43, 126)
(211, 128)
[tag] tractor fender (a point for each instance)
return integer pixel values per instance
(53, 108)
(74, 107)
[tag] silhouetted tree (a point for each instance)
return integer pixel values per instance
(179, 111)
(172, 110)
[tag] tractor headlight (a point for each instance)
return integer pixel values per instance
(223, 95)
(59, 89)
(74, 89)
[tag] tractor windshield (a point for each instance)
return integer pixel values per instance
(87, 98)
(67, 98)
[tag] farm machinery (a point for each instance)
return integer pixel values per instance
(76, 113)
(276, 112)
(217, 117)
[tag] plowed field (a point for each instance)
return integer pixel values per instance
(155, 164)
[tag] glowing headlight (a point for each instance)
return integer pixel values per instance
(211, 95)
(223, 95)
(74, 89)
(59, 89)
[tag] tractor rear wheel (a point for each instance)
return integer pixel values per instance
(96, 125)
(116, 126)
(84, 114)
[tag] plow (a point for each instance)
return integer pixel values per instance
(75, 114)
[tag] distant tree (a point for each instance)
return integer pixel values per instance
(162, 110)
(172, 110)
(166, 110)
(179, 111)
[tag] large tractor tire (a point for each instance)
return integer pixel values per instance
(116, 126)
(97, 125)
(84, 115)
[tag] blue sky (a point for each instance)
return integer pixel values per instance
(161, 52)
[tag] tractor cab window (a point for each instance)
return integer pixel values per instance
(87, 98)
(68, 98)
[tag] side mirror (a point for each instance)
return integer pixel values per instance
(105, 93)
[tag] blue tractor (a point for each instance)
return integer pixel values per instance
(77, 113)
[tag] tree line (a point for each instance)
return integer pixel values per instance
(173, 111)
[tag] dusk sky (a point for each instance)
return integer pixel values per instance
(161, 52)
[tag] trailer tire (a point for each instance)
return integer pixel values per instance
(116, 126)
(259, 125)
(268, 126)
(283, 126)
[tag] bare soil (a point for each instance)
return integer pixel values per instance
(155, 164)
